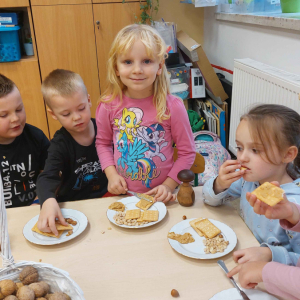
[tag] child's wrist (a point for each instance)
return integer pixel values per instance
(295, 217)
(217, 187)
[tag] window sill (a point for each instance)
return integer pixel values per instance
(278, 20)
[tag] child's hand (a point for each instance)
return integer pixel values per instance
(50, 211)
(162, 193)
(227, 175)
(285, 209)
(252, 254)
(250, 273)
(117, 185)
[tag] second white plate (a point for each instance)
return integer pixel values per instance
(233, 294)
(130, 203)
(40, 239)
(196, 249)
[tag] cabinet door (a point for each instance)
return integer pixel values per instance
(26, 75)
(14, 3)
(65, 39)
(112, 18)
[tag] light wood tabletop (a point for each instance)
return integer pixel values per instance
(132, 263)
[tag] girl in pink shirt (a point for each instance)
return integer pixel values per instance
(138, 120)
(279, 279)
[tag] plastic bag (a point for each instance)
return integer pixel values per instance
(167, 31)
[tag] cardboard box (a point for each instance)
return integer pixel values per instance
(189, 47)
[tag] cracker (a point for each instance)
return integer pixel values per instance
(117, 206)
(132, 214)
(243, 168)
(145, 197)
(150, 215)
(35, 229)
(193, 225)
(144, 204)
(141, 218)
(269, 193)
(62, 227)
(209, 229)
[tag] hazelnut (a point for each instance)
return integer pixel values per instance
(7, 287)
(220, 235)
(42, 298)
(174, 293)
(29, 275)
(184, 217)
(58, 296)
(25, 293)
(40, 288)
(18, 285)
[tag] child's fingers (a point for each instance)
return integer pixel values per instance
(124, 185)
(251, 198)
(151, 192)
(168, 198)
(238, 254)
(52, 226)
(232, 169)
(243, 259)
(160, 195)
(61, 219)
(275, 183)
(43, 225)
(250, 286)
(230, 176)
(234, 271)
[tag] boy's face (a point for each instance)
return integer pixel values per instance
(12, 117)
(73, 112)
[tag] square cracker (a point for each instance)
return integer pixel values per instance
(209, 229)
(144, 204)
(132, 214)
(35, 229)
(269, 193)
(150, 215)
(140, 219)
(193, 225)
(146, 197)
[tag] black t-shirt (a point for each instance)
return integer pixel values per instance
(20, 164)
(72, 171)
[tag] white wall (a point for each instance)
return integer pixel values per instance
(224, 41)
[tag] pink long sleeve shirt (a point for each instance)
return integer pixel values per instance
(130, 138)
(283, 280)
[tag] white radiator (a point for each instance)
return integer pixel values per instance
(256, 83)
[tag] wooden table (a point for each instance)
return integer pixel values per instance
(132, 263)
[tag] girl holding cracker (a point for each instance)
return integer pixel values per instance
(138, 119)
(278, 279)
(267, 141)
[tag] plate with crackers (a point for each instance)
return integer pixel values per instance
(77, 222)
(202, 238)
(132, 212)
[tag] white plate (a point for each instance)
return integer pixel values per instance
(233, 294)
(40, 239)
(196, 249)
(130, 203)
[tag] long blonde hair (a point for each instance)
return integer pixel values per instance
(155, 47)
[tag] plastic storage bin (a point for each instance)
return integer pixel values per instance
(272, 6)
(249, 6)
(9, 44)
(290, 6)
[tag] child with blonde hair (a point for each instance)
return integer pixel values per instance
(138, 119)
(267, 140)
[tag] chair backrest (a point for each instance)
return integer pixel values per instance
(198, 165)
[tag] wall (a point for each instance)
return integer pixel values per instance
(225, 41)
(185, 16)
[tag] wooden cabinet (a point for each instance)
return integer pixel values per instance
(59, 2)
(65, 39)
(14, 3)
(112, 18)
(25, 74)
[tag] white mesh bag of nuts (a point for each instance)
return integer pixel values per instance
(31, 280)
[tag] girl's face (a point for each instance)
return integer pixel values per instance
(138, 71)
(251, 155)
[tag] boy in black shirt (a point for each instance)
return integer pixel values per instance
(23, 148)
(72, 170)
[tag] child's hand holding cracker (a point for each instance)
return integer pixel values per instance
(227, 175)
(250, 273)
(284, 210)
(116, 183)
(163, 193)
(50, 211)
(252, 254)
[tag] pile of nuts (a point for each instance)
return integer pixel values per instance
(29, 288)
(216, 244)
(119, 217)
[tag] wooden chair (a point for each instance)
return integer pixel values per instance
(197, 167)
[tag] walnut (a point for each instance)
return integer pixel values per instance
(29, 275)
(40, 288)
(7, 287)
(10, 297)
(19, 284)
(25, 293)
(58, 296)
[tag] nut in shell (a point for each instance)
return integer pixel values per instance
(11, 297)
(25, 293)
(58, 296)
(29, 275)
(40, 288)
(7, 287)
